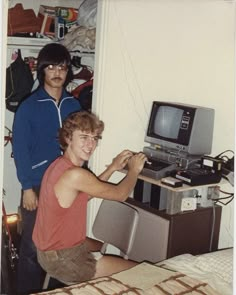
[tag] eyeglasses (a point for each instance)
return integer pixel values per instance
(85, 138)
(60, 67)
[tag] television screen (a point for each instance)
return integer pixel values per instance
(167, 122)
(181, 128)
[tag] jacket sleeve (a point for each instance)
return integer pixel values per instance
(22, 140)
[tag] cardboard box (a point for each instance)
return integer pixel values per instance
(65, 17)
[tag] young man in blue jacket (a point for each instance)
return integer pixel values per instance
(36, 145)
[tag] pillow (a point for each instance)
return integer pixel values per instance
(219, 262)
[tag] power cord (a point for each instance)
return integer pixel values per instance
(213, 226)
(228, 163)
(215, 201)
(218, 156)
(230, 198)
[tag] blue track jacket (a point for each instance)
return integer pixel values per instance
(35, 134)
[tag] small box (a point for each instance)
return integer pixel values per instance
(65, 18)
(188, 204)
(171, 181)
(174, 200)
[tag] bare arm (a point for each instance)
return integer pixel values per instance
(78, 179)
(118, 163)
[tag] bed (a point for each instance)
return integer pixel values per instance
(210, 274)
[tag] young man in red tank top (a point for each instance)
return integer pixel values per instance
(59, 234)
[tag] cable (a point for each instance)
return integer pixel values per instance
(224, 192)
(227, 161)
(223, 198)
(220, 202)
(213, 227)
(229, 197)
(218, 156)
(226, 158)
(226, 178)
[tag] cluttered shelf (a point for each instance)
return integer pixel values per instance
(75, 27)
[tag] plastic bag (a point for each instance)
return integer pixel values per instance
(87, 13)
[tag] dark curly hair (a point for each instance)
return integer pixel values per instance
(53, 54)
(84, 121)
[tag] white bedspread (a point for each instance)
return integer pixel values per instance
(214, 268)
(143, 279)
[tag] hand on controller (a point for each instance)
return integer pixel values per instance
(137, 161)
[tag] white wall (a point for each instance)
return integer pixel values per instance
(164, 50)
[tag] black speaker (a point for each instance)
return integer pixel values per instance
(142, 191)
(151, 194)
(155, 196)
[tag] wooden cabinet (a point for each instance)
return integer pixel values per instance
(160, 235)
(194, 232)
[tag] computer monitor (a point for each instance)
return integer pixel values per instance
(181, 128)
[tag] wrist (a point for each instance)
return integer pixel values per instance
(111, 168)
(133, 172)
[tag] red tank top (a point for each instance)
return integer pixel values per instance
(56, 227)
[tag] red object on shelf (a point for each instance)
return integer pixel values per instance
(22, 20)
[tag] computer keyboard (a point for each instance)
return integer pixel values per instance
(156, 168)
(155, 165)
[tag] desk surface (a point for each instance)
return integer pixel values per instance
(183, 188)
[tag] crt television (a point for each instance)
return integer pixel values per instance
(180, 127)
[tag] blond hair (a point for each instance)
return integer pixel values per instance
(83, 121)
